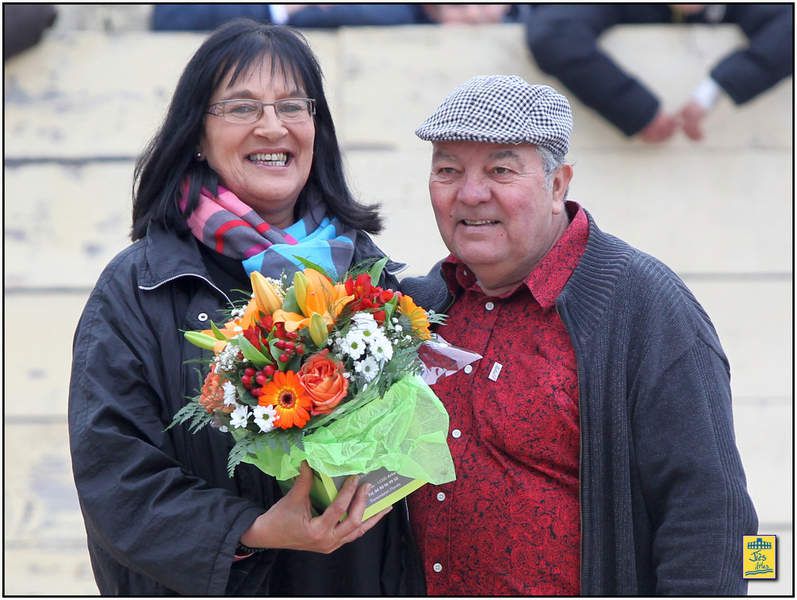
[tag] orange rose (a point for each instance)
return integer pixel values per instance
(323, 379)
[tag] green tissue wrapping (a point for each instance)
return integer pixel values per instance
(404, 431)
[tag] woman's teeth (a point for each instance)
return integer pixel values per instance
(479, 222)
(276, 159)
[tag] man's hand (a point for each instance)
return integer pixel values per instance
(290, 523)
(660, 129)
(691, 118)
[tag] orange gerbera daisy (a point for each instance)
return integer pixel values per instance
(286, 394)
(416, 316)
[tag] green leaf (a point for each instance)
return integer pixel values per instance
(390, 307)
(216, 331)
(238, 452)
(251, 353)
(308, 264)
(376, 270)
(289, 303)
(197, 338)
(193, 412)
(276, 353)
(244, 395)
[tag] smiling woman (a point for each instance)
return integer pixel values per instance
(231, 185)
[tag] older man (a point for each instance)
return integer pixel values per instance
(593, 442)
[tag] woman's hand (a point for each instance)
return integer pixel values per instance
(290, 523)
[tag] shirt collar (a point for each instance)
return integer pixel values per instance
(548, 278)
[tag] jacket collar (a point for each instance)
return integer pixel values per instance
(168, 255)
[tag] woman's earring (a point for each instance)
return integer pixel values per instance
(198, 156)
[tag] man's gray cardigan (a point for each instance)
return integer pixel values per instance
(664, 503)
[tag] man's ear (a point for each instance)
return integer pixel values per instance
(559, 186)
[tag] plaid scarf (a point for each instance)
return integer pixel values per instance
(230, 227)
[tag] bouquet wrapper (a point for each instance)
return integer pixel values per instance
(397, 442)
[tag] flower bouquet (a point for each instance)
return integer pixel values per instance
(328, 372)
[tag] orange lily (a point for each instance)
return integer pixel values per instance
(315, 295)
(267, 295)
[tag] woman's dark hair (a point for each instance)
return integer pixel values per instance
(170, 157)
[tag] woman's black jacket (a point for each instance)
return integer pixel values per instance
(161, 514)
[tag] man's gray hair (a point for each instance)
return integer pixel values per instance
(550, 163)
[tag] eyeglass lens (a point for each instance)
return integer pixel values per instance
(250, 111)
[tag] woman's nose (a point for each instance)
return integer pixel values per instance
(269, 125)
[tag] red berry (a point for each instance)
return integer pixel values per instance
(246, 380)
(268, 370)
(249, 371)
(284, 357)
(299, 349)
(260, 379)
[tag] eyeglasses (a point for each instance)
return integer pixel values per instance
(238, 112)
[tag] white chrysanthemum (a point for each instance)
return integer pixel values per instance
(226, 359)
(353, 344)
(365, 322)
(368, 368)
(223, 428)
(240, 416)
(381, 348)
(230, 394)
(265, 417)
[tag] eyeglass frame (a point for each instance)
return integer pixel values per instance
(310, 112)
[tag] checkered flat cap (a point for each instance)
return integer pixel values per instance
(502, 109)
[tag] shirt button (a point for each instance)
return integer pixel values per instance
(437, 567)
(468, 369)
(456, 433)
(441, 496)
(202, 317)
(489, 306)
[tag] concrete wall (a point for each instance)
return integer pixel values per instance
(80, 106)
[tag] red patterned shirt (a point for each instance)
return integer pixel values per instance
(509, 523)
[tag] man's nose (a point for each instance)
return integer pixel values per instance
(474, 190)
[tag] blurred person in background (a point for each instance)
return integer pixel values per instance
(203, 17)
(593, 442)
(24, 25)
(246, 157)
(470, 14)
(563, 39)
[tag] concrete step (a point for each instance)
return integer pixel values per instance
(45, 540)
(91, 94)
(726, 225)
